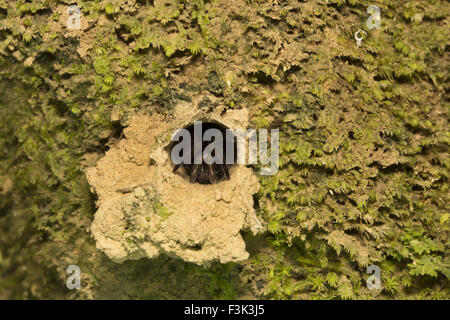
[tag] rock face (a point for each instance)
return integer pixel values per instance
(144, 209)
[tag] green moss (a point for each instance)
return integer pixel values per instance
(159, 209)
(364, 140)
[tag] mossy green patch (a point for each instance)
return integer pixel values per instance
(364, 137)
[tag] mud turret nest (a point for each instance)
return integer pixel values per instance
(145, 209)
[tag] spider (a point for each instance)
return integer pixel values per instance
(204, 173)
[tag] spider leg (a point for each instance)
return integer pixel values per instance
(211, 175)
(176, 167)
(194, 172)
(225, 170)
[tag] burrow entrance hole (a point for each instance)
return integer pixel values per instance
(204, 173)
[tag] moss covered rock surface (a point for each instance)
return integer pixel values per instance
(364, 136)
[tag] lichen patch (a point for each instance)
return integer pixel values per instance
(144, 209)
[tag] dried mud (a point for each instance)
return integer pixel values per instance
(145, 209)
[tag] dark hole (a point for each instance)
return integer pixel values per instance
(195, 247)
(255, 202)
(116, 130)
(204, 173)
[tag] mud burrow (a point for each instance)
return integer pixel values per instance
(144, 209)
